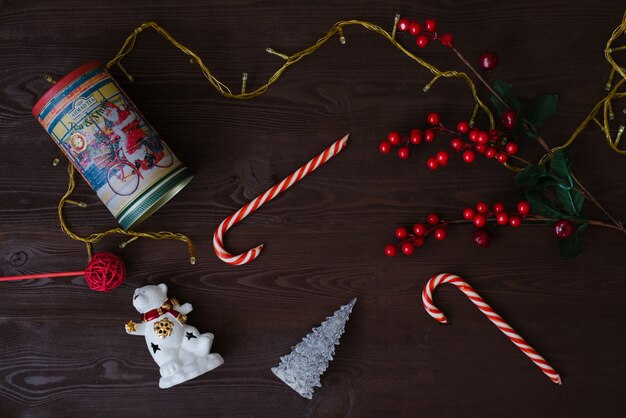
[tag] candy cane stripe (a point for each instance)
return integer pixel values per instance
(506, 329)
(287, 182)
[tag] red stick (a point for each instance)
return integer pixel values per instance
(41, 276)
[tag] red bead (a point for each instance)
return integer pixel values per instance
(502, 157)
(482, 207)
(456, 144)
(415, 28)
(422, 41)
(430, 25)
(468, 213)
(480, 220)
(390, 250)
(523, 208)
(384, 147)
(469, 156)
(401, 232)
(502, 218)
(490, 152)
(494, 134)
(563, 229)
(480, 148)
(463, 127)
(432, 218)
(418, 242)
(473, 135)
(483, 137)
(433, 118)
(394, 138)
(481, 238)
(430, 135)
(432, 164)
(509, 117)
(416, 136)
(441, 234)
(404, 153)
(442, 157)
(512, 148)
(515, 221)
(407, 248)
(403, 25)
(446, 40)
(498, 207)
(489, 60)
(420, 229)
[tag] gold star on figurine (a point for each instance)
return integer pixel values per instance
(130, 326)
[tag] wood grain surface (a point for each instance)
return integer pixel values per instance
(63, 349)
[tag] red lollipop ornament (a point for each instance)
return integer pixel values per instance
(105, 272)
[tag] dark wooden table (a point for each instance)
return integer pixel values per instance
(63, 349)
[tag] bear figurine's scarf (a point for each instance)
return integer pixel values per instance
(167, 307)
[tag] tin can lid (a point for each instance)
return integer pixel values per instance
(62, 83)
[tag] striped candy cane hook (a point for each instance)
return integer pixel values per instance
(235, 218)
(427, 300)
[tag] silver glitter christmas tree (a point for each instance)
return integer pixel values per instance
(301, 369)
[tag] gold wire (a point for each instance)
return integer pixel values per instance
(129, 45)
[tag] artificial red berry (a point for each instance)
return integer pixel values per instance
(468, 213)
(523, 208)
(433, 118)
(418, 242)
(469, 156)
(432, 218)
(404, 153)
(422, 41)
(515, 221)
(401, 232)
(390, 250)
(498, 207)
(494, 134)
(420, 229)
(456, 144)
(430, 25)
(473, 135)
(432, 163)
(415, 28)
(407, 248)
(563, 229)
(480, 220)
(509, 117)
(489, 60)
(502, 157)
(394, 138)
(482, 238)
(463, 127)
(502, 218)
(512, 148)
(446, 40)
(483, 137)
(384, 147)
(415, 137)
(440, 234)
(480, 148)
(482, 207)
(430, 135)
(403, 25)
(442, 157)
(490, 152)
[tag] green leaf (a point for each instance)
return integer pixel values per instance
(541, 205)
(505, 91)
(571, 199)
(531, 175)
(572, 246)
(541, 109)
(560, 165)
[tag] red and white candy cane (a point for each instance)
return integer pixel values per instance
(427, 299)
(293, 178)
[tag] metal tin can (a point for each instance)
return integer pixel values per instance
(111, 144)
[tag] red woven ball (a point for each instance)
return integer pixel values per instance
(105, 272)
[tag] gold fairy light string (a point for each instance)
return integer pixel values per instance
(224, 90)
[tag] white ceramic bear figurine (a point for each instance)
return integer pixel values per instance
(181, 352)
